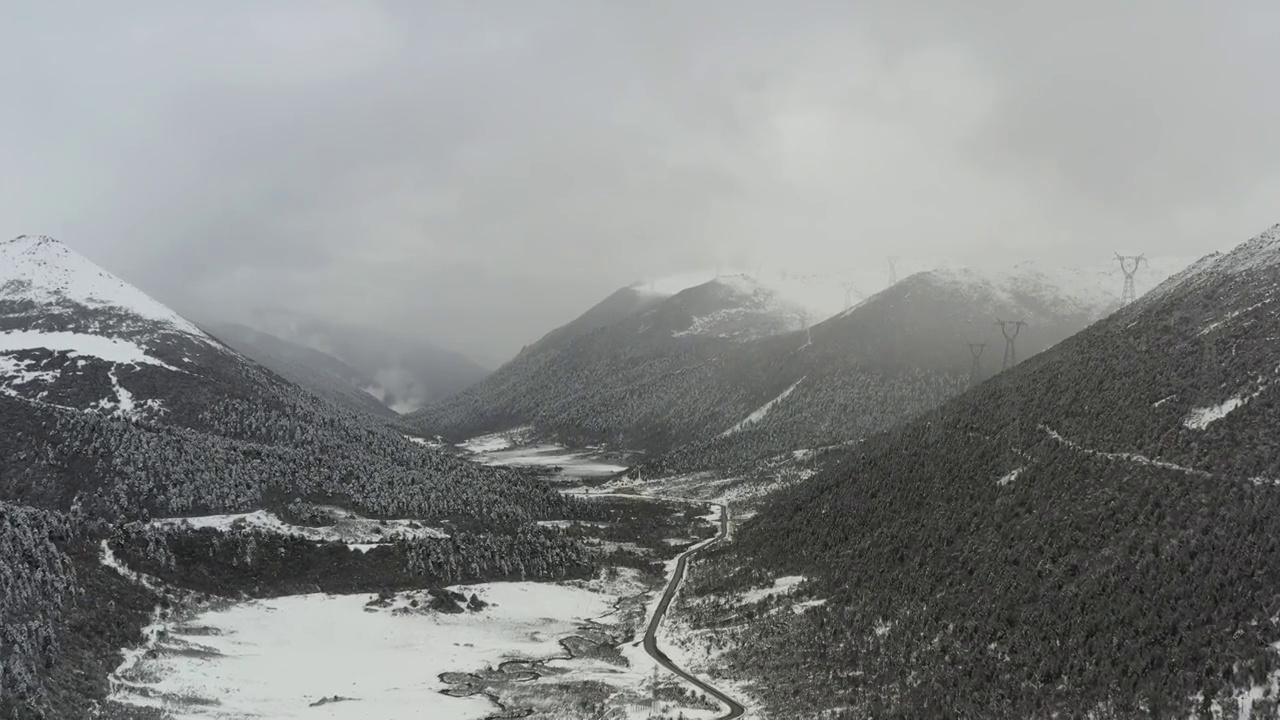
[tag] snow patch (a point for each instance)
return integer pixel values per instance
(763, 410)
(494, 442)
(1201, 418)
(1011, 478)
(360, 533)
(782, 586)
(112, 350)
(16, 372)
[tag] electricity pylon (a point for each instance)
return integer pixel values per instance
(1010, 340)
(1130, 290)
(849, 290)
(976, 350)
(893, 270)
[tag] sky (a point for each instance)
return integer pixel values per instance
(477, 173)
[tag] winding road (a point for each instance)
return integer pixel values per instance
(735, 708)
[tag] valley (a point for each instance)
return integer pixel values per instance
(583, 360)
(585, 648)
(680, 505)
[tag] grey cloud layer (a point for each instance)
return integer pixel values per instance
(479, 172)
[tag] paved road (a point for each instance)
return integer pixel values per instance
(736, 710)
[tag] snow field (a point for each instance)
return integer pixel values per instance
(359, 533)
(275, 658)
(574, 464)
(112, 350)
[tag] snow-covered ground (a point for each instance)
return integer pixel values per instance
(112, 350)
(762, 411)
(359, 533)
(46, 271)
(1011, 477)
(781, 586)
(498, 449)
(1201, 418)
(277, 658)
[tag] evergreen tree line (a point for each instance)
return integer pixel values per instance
(1061, 541)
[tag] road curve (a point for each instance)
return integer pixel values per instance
(736, 709)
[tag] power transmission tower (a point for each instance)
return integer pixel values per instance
(803, 317)
(1129, 265)
(849, 290)
(976, 350)
(893, 270)
(1010, 340)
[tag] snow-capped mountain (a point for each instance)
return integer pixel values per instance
(73, 335)
(816, 295)
(110, 400)
(675, 372)
(116, 412)
(1116, 495)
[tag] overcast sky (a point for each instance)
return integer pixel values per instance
(479, 171)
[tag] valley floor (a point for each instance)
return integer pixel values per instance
(600, 648)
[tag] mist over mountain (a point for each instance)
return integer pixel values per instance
(734, 369)
(401, 371)
(718, 360)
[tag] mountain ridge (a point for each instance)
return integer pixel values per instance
(1115, 495)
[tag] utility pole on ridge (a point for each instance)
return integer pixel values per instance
(893, 270)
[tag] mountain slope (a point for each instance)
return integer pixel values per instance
(401, 371)
(118, 418)
(322, 374)
(1096, 533)
(571, 379)
(679, 378)
(114, 403)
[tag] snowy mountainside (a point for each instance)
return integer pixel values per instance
(111, 401)
(1129, 475)
(677, 374)
(891, 357)
(115, 410)
(73, 335)
(40, 270)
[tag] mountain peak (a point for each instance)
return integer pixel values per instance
(32, 241)
(44, 270)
